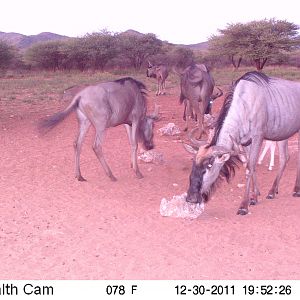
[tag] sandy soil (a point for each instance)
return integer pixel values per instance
(54, 227)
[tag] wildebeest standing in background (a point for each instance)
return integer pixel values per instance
(105, 105)
(160, 72)
(197, 85)
(257, 108)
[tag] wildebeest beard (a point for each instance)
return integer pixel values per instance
(199, 169)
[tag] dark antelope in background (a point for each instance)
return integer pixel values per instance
(160, 72)
(105, 105)
(197, 86)
(257, 108)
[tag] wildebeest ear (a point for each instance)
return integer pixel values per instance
(221, 158)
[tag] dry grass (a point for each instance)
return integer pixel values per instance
(226, 76)
(32, 87)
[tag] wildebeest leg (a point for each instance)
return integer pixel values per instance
(97, 147)
(132, 135)
(163, 86)
(128, 130)
(198, 108)
(186, 113)
(283, 158)
(252, 160)
(184, 110)
(296, 192)
(158, 92)
(84, 125)
(255, 191)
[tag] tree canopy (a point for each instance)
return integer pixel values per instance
(256, 40)
(94, 51)
(138, 48)
(6, 55)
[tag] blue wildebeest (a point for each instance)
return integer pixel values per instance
(196, 85)
(160, 72)
(257, 108)
(105, 105)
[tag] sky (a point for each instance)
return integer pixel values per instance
(178, 22)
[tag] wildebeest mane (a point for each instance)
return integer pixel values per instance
(255, 77)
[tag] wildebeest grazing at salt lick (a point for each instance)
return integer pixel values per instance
(258, 107)
(55, 227)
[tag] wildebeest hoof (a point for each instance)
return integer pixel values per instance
(113, 178)
(80, 178)
(296, 194)
(139, 175)
(270, 196)
(253, 201)
(242, 211)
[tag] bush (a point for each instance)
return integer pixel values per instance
(7, 54)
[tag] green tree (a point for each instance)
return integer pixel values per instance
(258, 41)
(138, 48)
(101, 48)
(45, 55)
(6, 55)
(182, 57)
(75, 55)
(229, 43)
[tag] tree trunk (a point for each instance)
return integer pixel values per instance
(260, 63)
(234, 63)
(263, 62)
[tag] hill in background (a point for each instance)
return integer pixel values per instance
(22, 41)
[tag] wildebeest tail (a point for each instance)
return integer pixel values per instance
(47, 124)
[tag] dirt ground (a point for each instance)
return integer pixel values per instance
(54, 227)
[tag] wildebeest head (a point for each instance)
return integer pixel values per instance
(146, 132)
(151, 70)
(211, 164)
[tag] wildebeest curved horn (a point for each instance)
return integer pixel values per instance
(196, 143)
(176, 71)
(190, 149)
(219, 94)
(149, 64)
